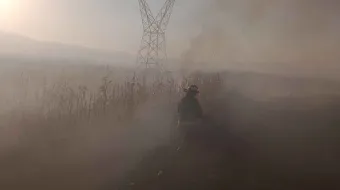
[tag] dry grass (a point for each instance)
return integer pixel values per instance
(79, 136)
(71, 131)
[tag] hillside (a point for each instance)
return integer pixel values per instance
(16, 48)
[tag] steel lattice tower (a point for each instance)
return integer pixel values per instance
(152, 52)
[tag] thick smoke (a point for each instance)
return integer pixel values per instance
(269, 35)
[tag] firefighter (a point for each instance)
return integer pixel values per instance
(189, 108)
(190, 116)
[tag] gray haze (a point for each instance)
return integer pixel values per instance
(276, 35)
(113, 25)
(93, 124)
(16, 48)
(283, 36)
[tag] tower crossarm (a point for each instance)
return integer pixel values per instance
(164, 15)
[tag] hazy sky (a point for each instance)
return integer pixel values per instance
(303, 33)
(278, 35)
(107, 24)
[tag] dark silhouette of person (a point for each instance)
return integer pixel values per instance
(189, 108)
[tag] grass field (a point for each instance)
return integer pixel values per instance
(96, 127)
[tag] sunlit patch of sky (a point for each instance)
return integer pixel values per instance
(105, 24)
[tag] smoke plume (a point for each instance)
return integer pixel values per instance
(269, 34)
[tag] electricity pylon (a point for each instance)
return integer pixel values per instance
(152, 53)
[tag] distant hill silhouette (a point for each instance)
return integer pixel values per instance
(15, 47)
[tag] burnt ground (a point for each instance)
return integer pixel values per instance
(245, 144)
(224, 162)
(209, 160)
(285, 148)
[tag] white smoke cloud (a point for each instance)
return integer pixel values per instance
(281, 33)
